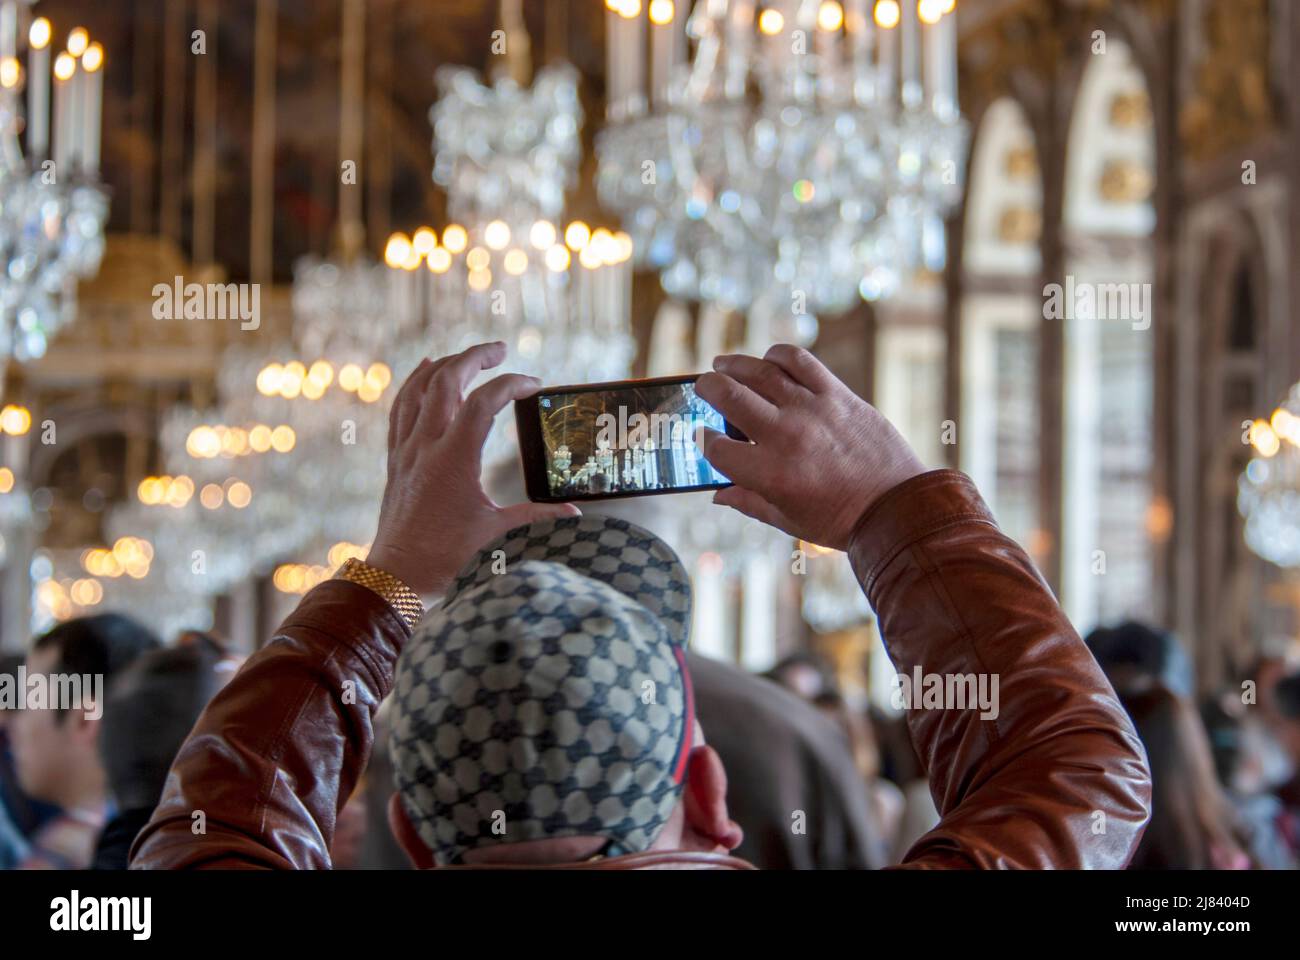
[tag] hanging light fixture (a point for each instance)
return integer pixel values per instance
(792, 153)
(52, 208)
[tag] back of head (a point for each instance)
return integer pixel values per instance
(1193, 826)
(102, 645)
(152, 706)
(1135, 656)
(548, 697)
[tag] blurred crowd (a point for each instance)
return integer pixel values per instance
(815, 781)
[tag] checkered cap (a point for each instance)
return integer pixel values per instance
(548, 696)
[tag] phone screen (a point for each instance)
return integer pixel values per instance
(626, 439)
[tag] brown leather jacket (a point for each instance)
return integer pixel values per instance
(1058, 779)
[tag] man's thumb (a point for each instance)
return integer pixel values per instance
(523, 513)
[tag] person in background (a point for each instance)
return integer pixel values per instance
(885, 796)
(20, 815)
(781, 757)
(56, 752)
(1239, 749)
(152, 706)
(1281, 701)
(1193, 825)
(1135, 656)
(804, 674)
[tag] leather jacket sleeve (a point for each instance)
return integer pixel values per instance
(1059, 777)
(278, 752)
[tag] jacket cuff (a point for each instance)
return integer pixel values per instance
(911, 511)
(353, 614)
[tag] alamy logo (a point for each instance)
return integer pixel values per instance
(54, 691)
(1101, 301)
(75, 913)
(209, 301)
(623, 432)
(946, 691)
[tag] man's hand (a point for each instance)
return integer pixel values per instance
(820, 455)
(435, 515)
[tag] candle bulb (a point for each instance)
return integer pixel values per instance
(615, 85)
(38, 89)
(911, 55)
(635, 56)
(663, 45)
(92, 63)
(861, 30)
(887, 14)
(64, 68)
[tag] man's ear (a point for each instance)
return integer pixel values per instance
(706, 800)
(407, 837)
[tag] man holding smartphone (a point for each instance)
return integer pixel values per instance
(1054, 776)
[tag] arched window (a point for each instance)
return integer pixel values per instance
(1000, 316)
(1105, 304)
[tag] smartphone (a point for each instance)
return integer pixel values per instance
(629, 438)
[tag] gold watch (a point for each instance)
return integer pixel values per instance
(404, 601)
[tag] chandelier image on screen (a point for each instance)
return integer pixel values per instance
(626, 440)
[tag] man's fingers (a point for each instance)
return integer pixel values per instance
(762, 376)
(752, 505)
(737, 403)
(734, 459)
(482, 406)
(406, 405)
(802, 367)
(452, 379)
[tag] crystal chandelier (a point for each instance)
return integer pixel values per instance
(1268, 491)
(803, 153)
(52, 208)
(507, 268)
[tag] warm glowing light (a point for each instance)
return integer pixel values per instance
(624, 243)
(590, 257)
(39, 35)
(178, 492)
(268, 380)
(94, 58)
(259, 438)
(150, 491)
(558, 258)
(397, 250)
(313, 389)
(455, 238)
(439, 260)
(771, 22)
(830, 16)
(239, 494)
(516, 262)
(424, 241)
(350, 377)
(283, 438)
(478, 259)
(6, 479)
(291, 378)
(577, 235)
(930, 11)
(497, 234)
(15, 420)
(211, 496)
(379, 375)
(78, 40)
(321, 372)
(949, 6)
(480, 280)
(888, 13)
(65, 65)
(628, 9)
(542, 236)
(661, 12)
(1263, 439)
(11, 72)
(86, 593)
(203, 443)
(412, 260)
